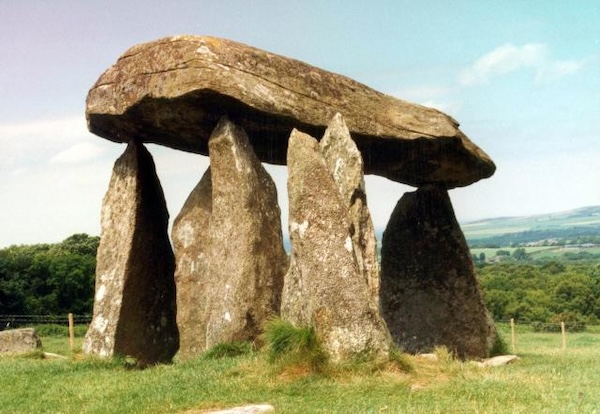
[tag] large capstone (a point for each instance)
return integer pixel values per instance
(429, 292)
(174, 90)
(230, 254)
(323, 287)
(134, 303)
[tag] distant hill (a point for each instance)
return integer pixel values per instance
(573, 226)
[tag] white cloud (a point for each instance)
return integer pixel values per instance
(502, 60)
(557, 70)
(78, 153)
(509, 58)
(62, 129)
(26, 143)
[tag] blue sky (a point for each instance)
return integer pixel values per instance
(521, 77)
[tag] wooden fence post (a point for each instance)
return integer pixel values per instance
(563, 331)
(513, 338)
(71, 332)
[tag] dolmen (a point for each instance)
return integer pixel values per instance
(226, 272)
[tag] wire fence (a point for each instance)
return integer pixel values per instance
(27, 320)
(16, 321)
(539, 333)
(537, 326)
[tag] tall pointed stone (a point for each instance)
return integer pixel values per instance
(134, 303)
(247, 259)
(230, 248)
(323, 287)
(429, 293)
(190, 240)
(345, 163)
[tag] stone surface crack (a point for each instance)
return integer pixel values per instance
(190, 64)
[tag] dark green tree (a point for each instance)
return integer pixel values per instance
(49, 278)
(520, 254)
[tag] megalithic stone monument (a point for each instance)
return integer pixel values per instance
(174, 92)
(134, 302)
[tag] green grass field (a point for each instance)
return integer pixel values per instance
(586, 216)
(546, 379)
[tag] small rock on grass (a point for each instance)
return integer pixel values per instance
(499, 360)
(19, 341)
(246, 409)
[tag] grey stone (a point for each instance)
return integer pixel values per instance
(134, 303)
(173, 91)
(326, 290)
(244, 409)
(229, 249)
(19, 341)
(429, 293)
(499, 360)
(346, 166)
(190, 240)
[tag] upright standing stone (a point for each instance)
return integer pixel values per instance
(346, 165)
(429, 293)
(239, 262)
(190, 240)
(247, 260)
(134, 303)
(323, 287)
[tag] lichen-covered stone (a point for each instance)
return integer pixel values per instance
(174, 90)
(134, 303)
(190, 240)
(323, 287)
(247, 260)
(230, 254)
(429, 293)
(346, 166)
(19, 341)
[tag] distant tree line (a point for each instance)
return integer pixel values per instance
(551, 237)
(55, 279)
(519, 254)
(549, 292)
(49, 279)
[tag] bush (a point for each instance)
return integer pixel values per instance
(292, 346)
